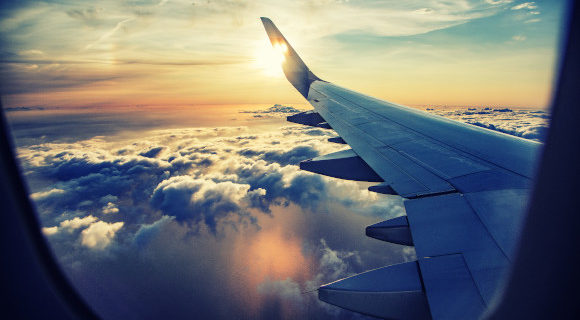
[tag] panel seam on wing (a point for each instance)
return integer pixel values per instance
(428, 137)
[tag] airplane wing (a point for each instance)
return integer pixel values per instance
(465, 190)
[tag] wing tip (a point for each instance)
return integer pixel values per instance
(266, 20)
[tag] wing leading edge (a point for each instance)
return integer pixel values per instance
(465, 191)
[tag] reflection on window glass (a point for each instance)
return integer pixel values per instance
(153, 139)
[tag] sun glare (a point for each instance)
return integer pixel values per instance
(269, 59)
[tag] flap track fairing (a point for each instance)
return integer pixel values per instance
(394, 230)
(307, 118)
(345, 164)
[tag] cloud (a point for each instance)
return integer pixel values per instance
(31, 108)
(90, 16)
(32, 75)
(147, 232)
(77, 222)
(49, 231)
(498, 2)
(110, 208)
(109, 198)
(152, 153)
(333, 265)
(333, 262)
(277, 109)
(197, 177)
(117, 62)
(519, 37)
(215, 179)
(283, 157)
(99, 235)
(31, 52)
(525, 5)
(124, 37)
(43, 195)
(225, 211)
(288, 296)
(69, 225)
(286, 289)
(109, 33)
(523, 123)
(196, 200)
(201, 177)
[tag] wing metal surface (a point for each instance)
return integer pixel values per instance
(465, 190)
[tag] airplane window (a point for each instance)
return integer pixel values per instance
(153, 139)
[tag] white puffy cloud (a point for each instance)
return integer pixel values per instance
(209, 175)
(49, 231)
(525, 5)
(100, 234)
(203, 175)
(77, 222)
(70, 225)
(110, 208)
(195, 200)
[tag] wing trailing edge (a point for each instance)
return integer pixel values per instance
(393, 292)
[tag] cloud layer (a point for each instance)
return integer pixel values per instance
(529, 124)
(220, 221)
(229, 201)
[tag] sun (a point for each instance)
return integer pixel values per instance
(269, 58)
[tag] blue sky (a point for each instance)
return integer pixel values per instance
(112, 53)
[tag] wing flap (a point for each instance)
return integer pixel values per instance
(446, 225)
(392, 292)
(450, 289)
(501, 212)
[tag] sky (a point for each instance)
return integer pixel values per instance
(153, 139)
(201, 52)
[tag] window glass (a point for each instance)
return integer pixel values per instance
(153, 140)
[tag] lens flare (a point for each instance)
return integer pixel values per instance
(269, 59)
